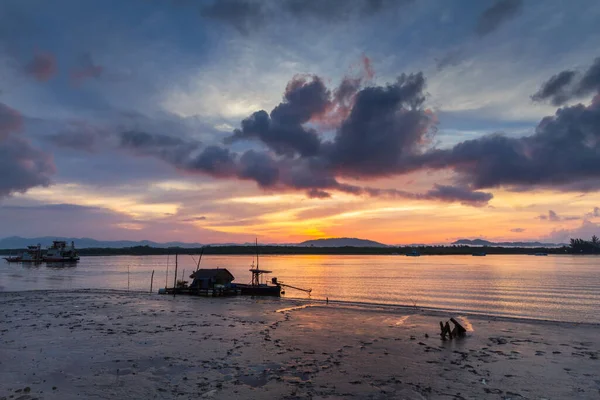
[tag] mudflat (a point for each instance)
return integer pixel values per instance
(111, 344)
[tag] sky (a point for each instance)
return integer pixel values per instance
(401, 121)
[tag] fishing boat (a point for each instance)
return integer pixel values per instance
(258, 287)
(33, 254)
(61, 252)
(413, 253)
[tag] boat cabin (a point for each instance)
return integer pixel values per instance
(211, 278)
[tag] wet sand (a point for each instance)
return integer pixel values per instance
(110, 344)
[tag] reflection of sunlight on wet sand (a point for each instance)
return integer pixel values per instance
(465, 323)
(281, 310)
(396, 321)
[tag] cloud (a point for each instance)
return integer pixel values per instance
(586, 230)
(383, 131)
(86, 69)
(194, 219)
(10, 121)
(42, 67)
(498, 14)
(555, 88)
(562, 154)
(249, 15)
(459, 194)
(243, 15)
(21, 165)
(594, 214)
(568, 85)
(283, 131)
(554, 217)
(518, 230)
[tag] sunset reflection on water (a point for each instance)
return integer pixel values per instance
(555, 287)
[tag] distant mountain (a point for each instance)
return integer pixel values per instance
(341, 242)
(481, 242)
(16, 242)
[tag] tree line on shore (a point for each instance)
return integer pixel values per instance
(580, 246)
(576, 246)
(291, 250)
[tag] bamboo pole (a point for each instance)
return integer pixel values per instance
(167, 274)
(151, 281)
(175, 278)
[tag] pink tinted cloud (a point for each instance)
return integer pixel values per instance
(369, 71)
(86, 70)
(42, 67)
(10, 121)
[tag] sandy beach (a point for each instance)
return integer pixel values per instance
(111, 344)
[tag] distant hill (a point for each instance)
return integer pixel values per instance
(16, 242)
(481, 242)
(341, 242)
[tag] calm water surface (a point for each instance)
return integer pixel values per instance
(563, 288)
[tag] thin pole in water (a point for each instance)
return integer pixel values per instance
(175, 280)
(151, 281)
(128, 278)
(167, 275)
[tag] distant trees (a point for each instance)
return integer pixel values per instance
(585, 246)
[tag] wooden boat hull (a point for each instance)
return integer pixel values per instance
(253, 290)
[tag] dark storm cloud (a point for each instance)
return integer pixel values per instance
(496, 15)
(555, 89)
(283, 131)
(10, 121)
(249, 15)
(42, 67)
(590, 82)
(168, 148)
(563, 151)
(569, 85)
(385, 126)
(459, 194)
(383, 134)
(22, 166)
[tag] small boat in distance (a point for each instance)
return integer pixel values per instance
(541, 254)
(413, 253)
(61, 252)
(479, 254)
(33, 254)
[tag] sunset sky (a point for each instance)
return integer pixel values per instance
(401, 121)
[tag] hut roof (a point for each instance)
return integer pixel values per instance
(222, 273)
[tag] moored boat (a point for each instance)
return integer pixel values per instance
(61, 252)
(413, 253)
(33, 254)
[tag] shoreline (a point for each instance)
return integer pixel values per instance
(117, 344)
(400, 251)
(339, 304)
